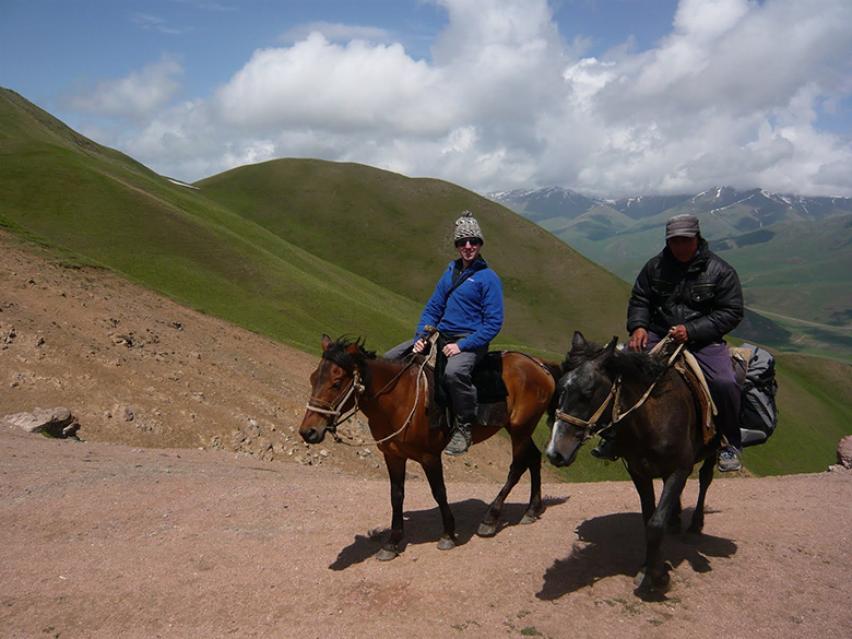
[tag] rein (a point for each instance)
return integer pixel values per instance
(589, 425)
(334, 408)
(357, 388)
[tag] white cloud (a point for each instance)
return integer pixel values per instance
(734, 94)
(316, 83)
(336, 32)
(136, 95)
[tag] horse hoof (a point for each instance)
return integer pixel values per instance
(486, 530)
(386, 554)
(529, 519)
(445, 543)
(639, 579)
(647, 583)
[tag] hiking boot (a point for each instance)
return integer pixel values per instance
(605, 449)
(729, 459)
(460, 440)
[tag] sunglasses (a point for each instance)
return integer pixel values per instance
(473, 241)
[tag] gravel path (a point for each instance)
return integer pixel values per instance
(102, 540)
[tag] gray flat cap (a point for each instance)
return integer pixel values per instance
(685, 225)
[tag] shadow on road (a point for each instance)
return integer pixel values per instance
(615, 545)
(424, 527)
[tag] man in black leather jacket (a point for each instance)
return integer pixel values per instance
(692, 294)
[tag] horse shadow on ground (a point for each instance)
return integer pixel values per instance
(425, 527)
(614, 544)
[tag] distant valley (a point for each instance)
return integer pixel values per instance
(793, 252)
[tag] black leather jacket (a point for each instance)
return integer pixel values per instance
(703, 295)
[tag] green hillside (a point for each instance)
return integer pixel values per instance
(65, 191)
(294, 248)
(397, 232)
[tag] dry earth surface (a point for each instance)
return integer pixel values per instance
(192, 509)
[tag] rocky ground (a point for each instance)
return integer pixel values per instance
(192, 508)
(136, 368)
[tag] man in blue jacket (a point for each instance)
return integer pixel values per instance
(467, 309)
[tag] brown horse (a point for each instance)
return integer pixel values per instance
(391, 394)
(658, 434)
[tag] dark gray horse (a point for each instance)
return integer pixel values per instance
(660, 437)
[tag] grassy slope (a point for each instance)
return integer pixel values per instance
(396, 231)
(102, 205)
(337, 248)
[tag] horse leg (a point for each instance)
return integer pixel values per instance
(656, 576)
(673, 524)
(705, 476)
(435, 474)
(645, 488)
(396, 473)
(536, 507)
(521, 458)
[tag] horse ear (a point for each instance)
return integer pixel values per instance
(607, 350)
(326, 342)
(578, 342)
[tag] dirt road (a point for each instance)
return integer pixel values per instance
(101, 540)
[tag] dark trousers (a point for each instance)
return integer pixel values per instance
(715, 362)
(457, 379)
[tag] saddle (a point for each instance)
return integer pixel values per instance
(487, 378)
(689, 369)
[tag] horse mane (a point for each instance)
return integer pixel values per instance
(339, 353)
(635, 367)
(630, 365)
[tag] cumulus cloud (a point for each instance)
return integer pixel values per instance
(734, 94)
(137, 95)
(336, 32)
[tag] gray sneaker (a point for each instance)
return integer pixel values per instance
(459, 441)
(729, 460)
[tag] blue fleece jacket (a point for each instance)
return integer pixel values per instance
(473, 309)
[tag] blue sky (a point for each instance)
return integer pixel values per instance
(608, 97)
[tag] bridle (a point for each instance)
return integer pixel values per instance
(335, 407)
(589, 427)
(356, 389)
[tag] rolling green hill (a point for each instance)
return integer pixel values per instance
(397, 232)
(294, 248)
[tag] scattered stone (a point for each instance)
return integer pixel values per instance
(55, 422)
(844, 452)
(126, 340)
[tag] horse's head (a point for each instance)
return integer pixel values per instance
(335, 386)
(584, 394)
